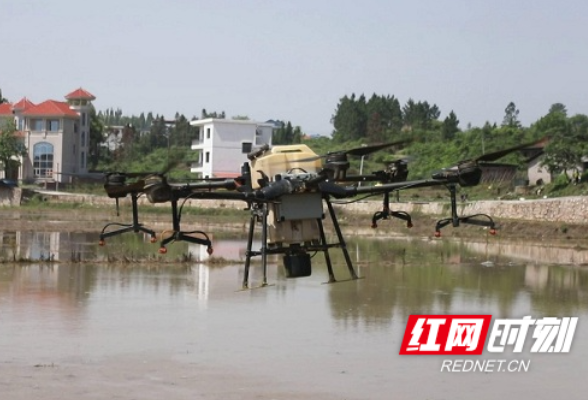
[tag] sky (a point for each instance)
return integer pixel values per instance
(294, 60)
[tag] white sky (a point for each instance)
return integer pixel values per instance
(294, 59)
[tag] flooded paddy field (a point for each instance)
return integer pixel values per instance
(122, 322)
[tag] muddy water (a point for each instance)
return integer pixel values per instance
(131, 329)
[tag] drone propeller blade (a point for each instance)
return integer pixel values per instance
(490, 156)
(138, 174)
(357, 151)
(365, 150)
(501, 153)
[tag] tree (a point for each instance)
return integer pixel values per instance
(552, 123)
(384, 118)
(204, 114)
(182, 132)
(558, 108)
(96, 139)
(11, 148)
(375, 130)
(2, 99)
(297, 135)
(511, 116)
(568, 141)
(350, 119)
(419, 115)
(450, 126)
(287, 134)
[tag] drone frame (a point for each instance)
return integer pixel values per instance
(259, 214)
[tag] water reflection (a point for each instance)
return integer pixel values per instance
(402, 277)
(448, 278)
(535, 252)
(163, 326)
(79, 246)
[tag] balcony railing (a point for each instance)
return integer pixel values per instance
(197, 142)
(44, 132)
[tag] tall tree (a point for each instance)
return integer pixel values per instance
(183, 133)
(2, 99)
(96, 139)
(11, 148)
(558, 108)
(511, 116)
(450, 126)
(383, 118)
(419, 115)
(350, 119)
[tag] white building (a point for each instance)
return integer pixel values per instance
(223, 145)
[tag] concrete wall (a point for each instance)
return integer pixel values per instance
(572, 210)
(10, 196)
(564, 209)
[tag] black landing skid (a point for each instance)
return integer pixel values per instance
(176, 234)
(135, 226)
(455, 220)
(386, 213)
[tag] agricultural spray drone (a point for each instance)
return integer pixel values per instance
(286, 188)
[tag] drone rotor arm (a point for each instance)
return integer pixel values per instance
(365, 150)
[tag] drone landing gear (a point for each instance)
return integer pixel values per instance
(455, 220)
(178, 234)
(296, 257)
(135, 226)
(340, 244)
(386, 213)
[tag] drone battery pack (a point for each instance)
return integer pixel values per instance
(297, 265)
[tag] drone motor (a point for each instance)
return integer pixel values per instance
(337, 165)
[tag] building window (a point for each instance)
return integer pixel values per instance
(83, 119)
(207, 133)
(84, 139)
(53, 125)
(207, 157)
(75, 127)
(37, 125)
(83, 160)
(43, 160)
(246, 147)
